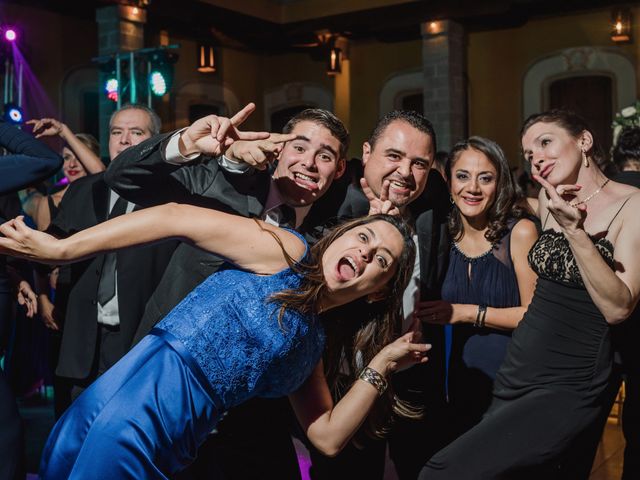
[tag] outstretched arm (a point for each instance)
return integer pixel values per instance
(243, 241)
(330, 427)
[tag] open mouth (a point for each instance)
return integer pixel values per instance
(400, 187)
(472, 200)
(305, 181)
(347, 268)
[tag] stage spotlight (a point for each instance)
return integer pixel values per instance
(10, 35)
(111, 87)
(158, 83)
(13, 113)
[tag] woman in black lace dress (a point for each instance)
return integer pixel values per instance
(554, 390)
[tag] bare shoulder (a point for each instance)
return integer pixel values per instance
(524, 231)
(291, 243)
(630, 209)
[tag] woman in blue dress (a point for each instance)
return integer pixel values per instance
(253, 330)
(489, 283)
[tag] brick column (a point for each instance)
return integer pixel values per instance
(120, 29)
(444, 88)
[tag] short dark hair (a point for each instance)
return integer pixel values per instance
(627, 148)
(574, 124)
(413, 118)
(154, 120)
(327, 120)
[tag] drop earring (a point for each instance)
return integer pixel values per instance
(585, 159)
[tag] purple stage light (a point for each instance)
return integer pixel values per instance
(10, 35)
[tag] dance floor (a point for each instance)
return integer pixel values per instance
(38, 420)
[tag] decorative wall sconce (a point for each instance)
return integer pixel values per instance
(334, 65)
(621, 28)
(206, 58)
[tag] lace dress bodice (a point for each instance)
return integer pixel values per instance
(230, 327)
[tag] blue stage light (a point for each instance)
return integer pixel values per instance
(13, 113)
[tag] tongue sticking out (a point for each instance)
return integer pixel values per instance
(346, 270)
(306, 183)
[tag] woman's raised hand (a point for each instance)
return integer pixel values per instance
(212, 135)
(570, 217)
(46, 127)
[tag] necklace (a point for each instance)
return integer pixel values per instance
(582, 202)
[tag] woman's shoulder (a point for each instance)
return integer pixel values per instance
(524, 230)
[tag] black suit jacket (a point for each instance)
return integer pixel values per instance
(139, 270)
(423, 384)
(141, 175)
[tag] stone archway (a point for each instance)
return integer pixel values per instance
(203, 93)
(580, 61)
(399, 86)
(296, 94)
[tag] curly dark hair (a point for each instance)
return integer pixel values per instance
(508, 204)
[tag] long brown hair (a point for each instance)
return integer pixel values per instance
(508, 203)
(355, 332)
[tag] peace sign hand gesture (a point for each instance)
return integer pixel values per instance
(570, 217)
(382, 204)
(212, 135)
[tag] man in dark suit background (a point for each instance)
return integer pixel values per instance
(397, 162)
(107, 294)
(253, 440)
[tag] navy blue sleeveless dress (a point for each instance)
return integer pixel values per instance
(476, 354)
(147, 415)
(553, 386)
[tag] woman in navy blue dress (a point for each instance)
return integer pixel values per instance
(254, 330)
(489, 282)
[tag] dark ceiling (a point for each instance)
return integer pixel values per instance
(193, 18)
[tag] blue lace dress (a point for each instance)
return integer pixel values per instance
(476, 354)
(147, 415)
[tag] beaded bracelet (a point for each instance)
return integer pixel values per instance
(369, 375)
(480, 316)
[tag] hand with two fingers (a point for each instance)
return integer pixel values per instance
(259, 154)
(570, 216)
(381, 204)
(213, 135)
